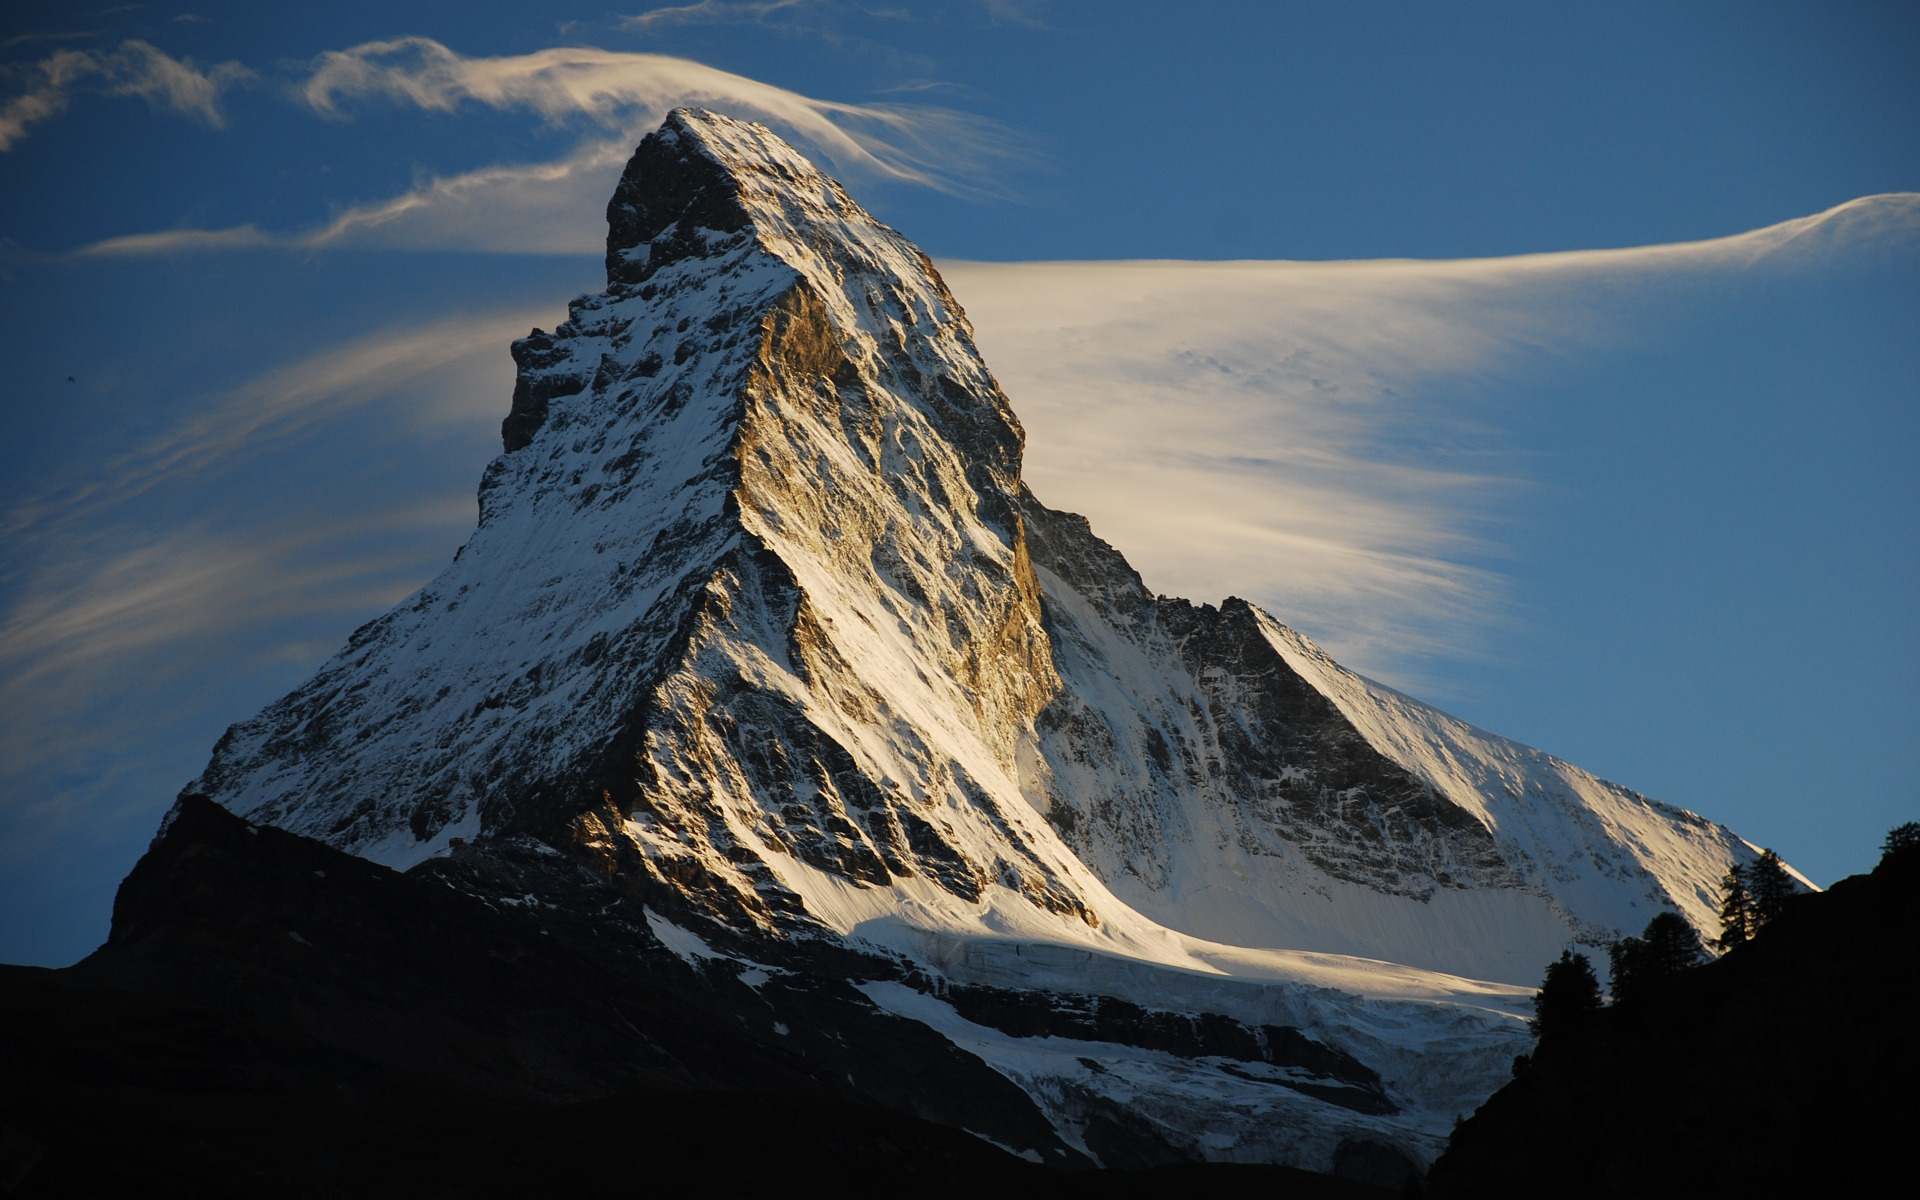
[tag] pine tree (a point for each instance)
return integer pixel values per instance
(1569, 988)
(1672, 945)
(1736, 910)
(1667, 947)
(1903, 842)
(1769, 885)
(1626, 967)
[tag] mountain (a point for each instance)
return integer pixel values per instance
(763, 658)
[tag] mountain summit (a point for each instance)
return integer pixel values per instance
(763, 657)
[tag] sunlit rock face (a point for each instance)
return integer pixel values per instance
(761, 630)
(749, 582)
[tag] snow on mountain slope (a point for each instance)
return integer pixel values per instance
(1227, 779)
(1566, 832)
(759, 627)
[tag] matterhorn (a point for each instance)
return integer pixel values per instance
(766, 689)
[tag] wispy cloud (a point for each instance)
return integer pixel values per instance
(67, 35)
(620, 91)
(1271, 429)
(143, 584)
(710, 12)
(1255, 428)
(838, 24)
(174, 241)
(553, 207)
(109, 599)
(558, 206)
(128, 653)
(53, 78)
(279, 406)
(1239, 429)
(138, 69)
(1016, 12)
(538, 208)
(134, 69)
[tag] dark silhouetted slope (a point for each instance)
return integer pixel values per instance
(1786, 1066)
(272, 1017)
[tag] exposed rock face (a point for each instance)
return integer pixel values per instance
(1249, 734)
(773, 518)
(1226, 778)
(761, 630)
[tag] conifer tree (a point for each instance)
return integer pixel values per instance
(1667, 947)
(1569, 988)
(1768, 886)
(1903, 842)
(1736, 910)
(1672, 945)
(1626, 967)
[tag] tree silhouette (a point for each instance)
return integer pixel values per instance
(1668, 947)
(1736, 910)
(1769, 886)
(1569, 988)
(1624, 967)
(1902, 844)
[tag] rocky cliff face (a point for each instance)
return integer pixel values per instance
(749, 582)
(1224, 776)
(760, 632)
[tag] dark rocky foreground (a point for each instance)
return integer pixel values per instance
(273, 1017)
(1787, 1067)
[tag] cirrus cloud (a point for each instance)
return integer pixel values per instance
(708, 12)
(1296, 432)
(140, 588)
(555, 207)
(135, 68)
(622, 91)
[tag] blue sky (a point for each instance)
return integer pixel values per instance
(1655, 510)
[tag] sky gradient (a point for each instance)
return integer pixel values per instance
(1562, 369)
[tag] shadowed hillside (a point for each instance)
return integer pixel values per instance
(273, 1018)
(1786, 1065)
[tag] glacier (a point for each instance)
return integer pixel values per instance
(759, 629)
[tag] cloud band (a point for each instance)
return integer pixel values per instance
(133, 69)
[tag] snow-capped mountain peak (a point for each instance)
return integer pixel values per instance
(760, 628)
